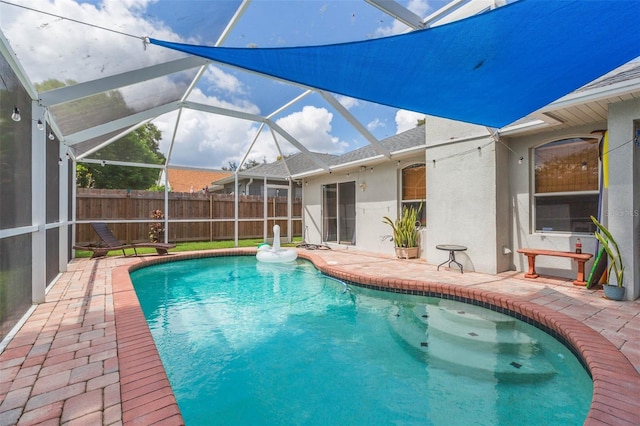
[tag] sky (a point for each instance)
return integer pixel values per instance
(53, 47)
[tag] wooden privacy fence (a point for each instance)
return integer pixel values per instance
(198, 216)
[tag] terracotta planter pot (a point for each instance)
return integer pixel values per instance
(407, 252)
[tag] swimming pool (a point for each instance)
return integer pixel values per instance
(249, 343)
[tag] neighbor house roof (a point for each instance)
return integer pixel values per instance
(184, 180)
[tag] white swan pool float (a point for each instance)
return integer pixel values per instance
(275, 254)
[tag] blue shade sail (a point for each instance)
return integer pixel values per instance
(489, 69)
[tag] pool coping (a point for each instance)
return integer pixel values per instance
(147, 395)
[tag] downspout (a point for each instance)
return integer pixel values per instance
(246, 186)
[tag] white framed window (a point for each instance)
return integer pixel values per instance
(566, 184)
(414, 189)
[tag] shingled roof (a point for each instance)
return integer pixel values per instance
(402, 141)
(299, 163)
(627, 72)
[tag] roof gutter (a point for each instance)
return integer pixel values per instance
(572, 99)
(365, 161)
(596, 94)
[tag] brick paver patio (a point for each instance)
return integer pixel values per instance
(86, 356)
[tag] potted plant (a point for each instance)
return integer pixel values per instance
(406, 232)
(156, 230)
(611, 291)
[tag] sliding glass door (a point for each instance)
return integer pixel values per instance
(339, 213)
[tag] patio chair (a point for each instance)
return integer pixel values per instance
(109, 242)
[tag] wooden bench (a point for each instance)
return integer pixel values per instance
(581, 258)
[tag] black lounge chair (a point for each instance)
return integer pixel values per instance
(109, 242)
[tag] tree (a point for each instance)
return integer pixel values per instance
(233, 166)
(250, 164)
(87, 112)
(139, 146)
(84, 177)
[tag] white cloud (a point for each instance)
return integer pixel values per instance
(396, 27)
(406, 120)
(375, 124)
(52, 48)
(208, 140)
(220, 81)
(347, 101)
(60, 50)
(419, 7)
(312, 127)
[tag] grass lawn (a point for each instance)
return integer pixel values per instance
(198, 245)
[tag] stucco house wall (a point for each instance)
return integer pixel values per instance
(480, 186)
(380, 197)
(622, 211)
(465, 195)
(480, 195)
(521, 177)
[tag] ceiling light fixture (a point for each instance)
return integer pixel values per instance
(51, 136)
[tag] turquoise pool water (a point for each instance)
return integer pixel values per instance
(247, 343)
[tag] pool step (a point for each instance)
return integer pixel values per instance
(475, 330)
(451, 347)
(474, 315)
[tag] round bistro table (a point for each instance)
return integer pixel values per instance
(452, 249)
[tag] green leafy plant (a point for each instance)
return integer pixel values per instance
(611, 247)
(405, 228)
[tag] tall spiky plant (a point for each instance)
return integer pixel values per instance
(611, 247)
(405, 228)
